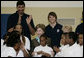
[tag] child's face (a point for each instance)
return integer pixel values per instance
(39, 32)
(67, 40)
(17, 46)
(43, 41)
(80, 39)
(18, 28)
(52, 19)
(62, 40)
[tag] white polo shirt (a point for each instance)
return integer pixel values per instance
(46, 49)
(73, 51)
(2, 41)
(27, 46)
(62, 50)
(8, 51)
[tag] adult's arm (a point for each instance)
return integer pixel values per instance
(31, 25)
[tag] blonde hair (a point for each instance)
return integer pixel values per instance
(42, 26)
(67, 29)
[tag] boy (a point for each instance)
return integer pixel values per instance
(43, 50)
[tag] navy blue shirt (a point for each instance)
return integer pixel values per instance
(13, 20)
(54, 33)
(79, 29)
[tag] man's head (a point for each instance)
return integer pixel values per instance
(43, 40)
(20, 7)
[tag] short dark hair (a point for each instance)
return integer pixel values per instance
(13, 39)
(52, 14)
(43, 36)
(20, 3)
(73, 35)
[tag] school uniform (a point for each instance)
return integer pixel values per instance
(62, 50)
(54, 34)
(8, 51)
(46, 49)
(2, 41)
(81, 47)
(36, 42)
(73, 51)
(27, 47)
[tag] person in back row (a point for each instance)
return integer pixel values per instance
(22, 18)
(54, 29)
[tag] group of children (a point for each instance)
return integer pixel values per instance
(15, 44)
(53, 40)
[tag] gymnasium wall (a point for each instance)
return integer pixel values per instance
(40, 9)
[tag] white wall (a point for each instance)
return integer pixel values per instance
(44, 3)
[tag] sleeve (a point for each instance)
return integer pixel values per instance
(27, 45)
(51, 52)
(35, 50)
(11, 53)
(59, 54)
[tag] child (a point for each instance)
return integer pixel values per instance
(74, 49)
(40, 30)
(80, 42)
(64, 45)
(13, 45)
(66, 30)
(24, 40)
(43, 50)
(4, 41)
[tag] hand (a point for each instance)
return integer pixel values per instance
(56, 49)
(33, 53)
(52, 53)
(10, 30)
(40, 52)
(22, 46)
(28, 20)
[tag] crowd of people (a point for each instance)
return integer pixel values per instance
(53, 40)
